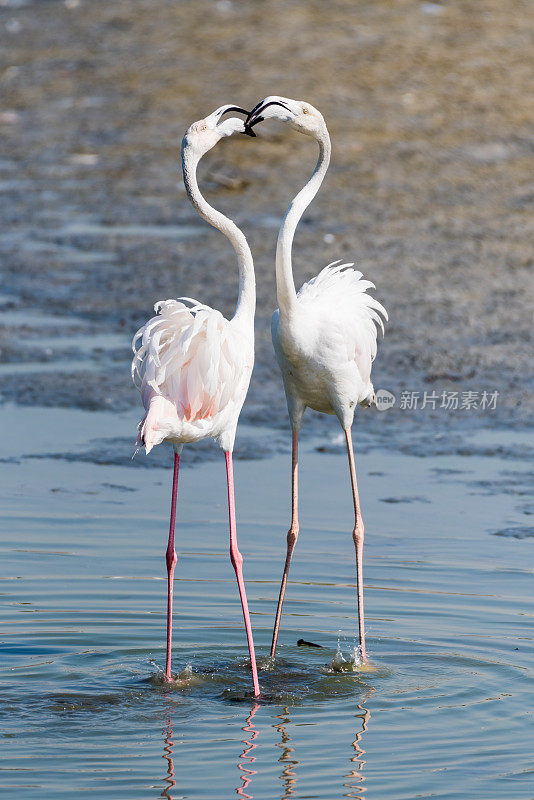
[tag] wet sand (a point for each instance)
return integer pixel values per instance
(430, 188)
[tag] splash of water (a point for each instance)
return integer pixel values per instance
(187, 677)
(266, 664)
(339, 663)
(156, 666)
(186, 674)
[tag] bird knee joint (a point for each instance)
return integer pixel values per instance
(357, 534)
(171, 559)
(236, 558)
(292, 535)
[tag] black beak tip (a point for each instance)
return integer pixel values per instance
(249, 132)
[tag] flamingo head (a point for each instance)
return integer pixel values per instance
(201, 136)
(302, 116)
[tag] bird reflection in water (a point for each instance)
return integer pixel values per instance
(244, 765)
(168, 751)
(355, 776)
(246, 772)
(288, 774)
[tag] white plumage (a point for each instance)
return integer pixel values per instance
(326, 346)
(324, 336)
(193, 368)
(339, 293)
(191, 364)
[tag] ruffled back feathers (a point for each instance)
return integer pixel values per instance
(340, 292)
(189, 364)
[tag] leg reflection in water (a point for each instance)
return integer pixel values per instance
(168, 752)
(355, 776)
(288, 775)
(354, 780)
(245, 768)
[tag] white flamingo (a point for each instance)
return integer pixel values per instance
(324, 336)
(193, 366)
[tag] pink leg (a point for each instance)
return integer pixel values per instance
(237, 562)
(292, 536)
(170, 558)
(357, 536)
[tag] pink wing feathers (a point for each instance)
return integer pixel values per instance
(190, 365)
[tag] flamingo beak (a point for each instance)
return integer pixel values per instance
(238, 110)
(252, 119)
(255, 115)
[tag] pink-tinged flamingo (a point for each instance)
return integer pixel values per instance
(193, 366)
(324, 336)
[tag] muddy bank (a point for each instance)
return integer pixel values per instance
(430, 189)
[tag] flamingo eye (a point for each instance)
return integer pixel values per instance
(305, 110)
(204, 127)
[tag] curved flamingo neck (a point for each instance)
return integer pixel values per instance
(285, 285)
(246, 301)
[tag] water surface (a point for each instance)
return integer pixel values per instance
(448, 575)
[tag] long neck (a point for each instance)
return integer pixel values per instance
(246, 302)
(285, 285)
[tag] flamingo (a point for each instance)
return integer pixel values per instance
(325, 337)
(193, 366)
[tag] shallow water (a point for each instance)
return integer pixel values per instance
(449, 605)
